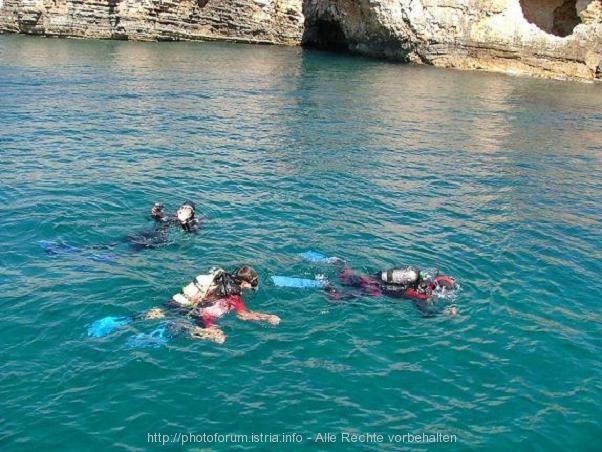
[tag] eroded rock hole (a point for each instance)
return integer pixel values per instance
(326, 35)
(556, 17)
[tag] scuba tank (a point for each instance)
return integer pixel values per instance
(198, 288)
(408, 276)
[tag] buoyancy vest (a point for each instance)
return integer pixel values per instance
(198, 289)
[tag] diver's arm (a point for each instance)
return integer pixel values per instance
(244, 314)
(258, 316)
(195, 226)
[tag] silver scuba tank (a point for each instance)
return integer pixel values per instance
(405, 276)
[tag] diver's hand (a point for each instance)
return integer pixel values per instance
(450, 311)
(154, 313)
(209, 334)
(157, 211)
(273, 319)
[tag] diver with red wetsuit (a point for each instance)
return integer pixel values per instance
(209, 297)
(408, 282)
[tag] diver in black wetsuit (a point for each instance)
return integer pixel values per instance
(184, 217)
(139, 240)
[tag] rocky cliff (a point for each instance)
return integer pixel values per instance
(547, 38)
(258, 21)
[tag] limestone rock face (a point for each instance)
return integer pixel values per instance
(260, 21)
(546, 38)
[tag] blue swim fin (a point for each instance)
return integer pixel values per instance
(106, 325)
(300, 283)
(53, 248)
(157, 338)
(319, 258)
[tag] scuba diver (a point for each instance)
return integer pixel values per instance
(211, 296)
(184, 217)
(407, 282)
(207, 298)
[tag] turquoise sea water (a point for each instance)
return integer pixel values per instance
(492, 179)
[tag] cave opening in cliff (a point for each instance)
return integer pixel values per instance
(326, 35)
(556, 17)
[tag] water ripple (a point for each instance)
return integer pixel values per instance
(487, 178)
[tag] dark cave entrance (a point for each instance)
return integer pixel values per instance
(325, 35)
(556, 17)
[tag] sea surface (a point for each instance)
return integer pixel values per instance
(493, 179)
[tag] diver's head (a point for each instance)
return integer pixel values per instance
(246, 277)
(185, 212)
